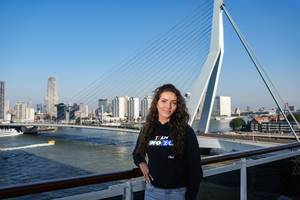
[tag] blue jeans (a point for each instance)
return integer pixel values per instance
(154, 193)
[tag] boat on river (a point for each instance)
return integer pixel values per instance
(9, 132)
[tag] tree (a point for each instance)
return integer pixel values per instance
(297, 116)
(237, 124)
(78, 121)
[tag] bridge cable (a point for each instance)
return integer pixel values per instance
(93, 92)
(257, 64)
(151, 63)
(138, 55)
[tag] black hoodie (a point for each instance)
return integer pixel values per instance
(168, 171)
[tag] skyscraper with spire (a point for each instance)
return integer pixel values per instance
(52, 97)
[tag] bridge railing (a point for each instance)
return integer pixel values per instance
(239, 157)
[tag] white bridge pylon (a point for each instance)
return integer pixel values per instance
(202, 94)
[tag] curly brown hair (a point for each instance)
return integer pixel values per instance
(178, 122)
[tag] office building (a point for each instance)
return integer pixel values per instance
(61, 111)
(41, 108)
(84, 110)
(145, 106)
(29, 114)
(222, 107)
(133, 108)
(103, 105)
(52, 97)
(72, 111)
(24, 113)
(119, 107)
(20, 112)
(7, 114)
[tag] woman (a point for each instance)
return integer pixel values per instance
(174, 168)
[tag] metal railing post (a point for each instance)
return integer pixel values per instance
(128, 192)
(243, 179)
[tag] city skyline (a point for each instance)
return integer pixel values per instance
(76, 49)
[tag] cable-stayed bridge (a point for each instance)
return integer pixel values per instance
(171, 59)
(189, 55)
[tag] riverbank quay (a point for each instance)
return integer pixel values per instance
(46, 129)
(253, 136)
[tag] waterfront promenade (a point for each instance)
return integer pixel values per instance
(254, 136)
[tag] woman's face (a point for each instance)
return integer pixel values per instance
(166, 106)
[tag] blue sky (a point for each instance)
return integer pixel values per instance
(75, 41)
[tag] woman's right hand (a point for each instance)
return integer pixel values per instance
(145, 170)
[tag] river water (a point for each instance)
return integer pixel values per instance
(76, 152)
(28, 158)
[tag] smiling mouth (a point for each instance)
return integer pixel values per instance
(167, 111)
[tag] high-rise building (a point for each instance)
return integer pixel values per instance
(84, 110)
(119, 107)
(133, 108)
(2, 100)
(103, 105)
(145, 106)
(7, 114)
(20, 112)
(72, 111)
(222, 106)
(61, 111)
(52, 97)
(24, 113)
(41, 108)
(29, 114)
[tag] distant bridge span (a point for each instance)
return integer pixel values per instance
(68, 126)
